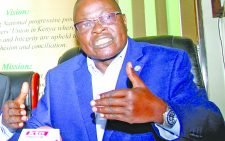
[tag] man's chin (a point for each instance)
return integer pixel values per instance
(104, 59)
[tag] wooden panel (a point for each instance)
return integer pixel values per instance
(138, 18)
(161, 17)
(217, 9)
(126, 7)
(189, 19)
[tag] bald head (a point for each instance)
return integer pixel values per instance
(81, 4)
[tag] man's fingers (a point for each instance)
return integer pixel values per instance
(134, 78)
(109, 110)
(12, 104)
(16, 125)
(23, 93)
(16, 112)
(16, 119)
(109, 102)
(113, 94)
(14, 122)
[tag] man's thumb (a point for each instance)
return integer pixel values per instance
(134, 78)
(23, 93)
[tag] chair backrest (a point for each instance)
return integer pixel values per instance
(16, 81)
(166, 40)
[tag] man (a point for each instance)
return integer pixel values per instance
(141, 91)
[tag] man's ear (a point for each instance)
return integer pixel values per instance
(125, 20)
(76, 38)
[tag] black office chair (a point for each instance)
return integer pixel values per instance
(166, 40)
(16, 81)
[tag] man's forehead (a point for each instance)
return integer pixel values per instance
(100, 7)
(83, 3)
(95, 0)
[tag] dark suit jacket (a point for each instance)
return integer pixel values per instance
(4, 89)
(68, 92)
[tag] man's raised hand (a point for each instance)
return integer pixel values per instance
(135, 105)
(14, 113)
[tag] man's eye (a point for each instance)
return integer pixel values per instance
(108, 17)
(86, 24)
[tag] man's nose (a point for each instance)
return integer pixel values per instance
(98, 27)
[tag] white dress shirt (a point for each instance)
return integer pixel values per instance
(104, 82)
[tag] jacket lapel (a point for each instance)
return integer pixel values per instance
(134, 55)
(84, 93)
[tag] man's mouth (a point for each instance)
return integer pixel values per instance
(103, 42)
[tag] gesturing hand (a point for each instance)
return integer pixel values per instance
(135, 105)
(14, 113)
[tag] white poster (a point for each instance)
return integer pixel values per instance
(34, 34)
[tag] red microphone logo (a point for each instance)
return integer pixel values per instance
(35, 133)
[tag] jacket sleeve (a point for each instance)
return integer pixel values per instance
(199, 118)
